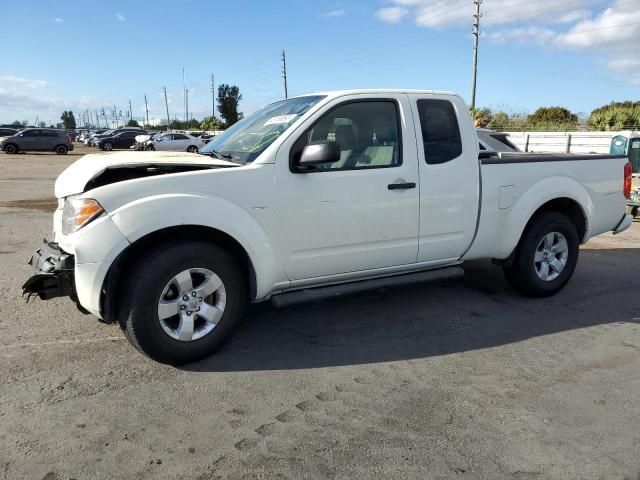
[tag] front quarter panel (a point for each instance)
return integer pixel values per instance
(149, 215)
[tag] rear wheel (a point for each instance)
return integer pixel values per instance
(182, 302)
(108, 146)
(61, 150)
(11, 149)
(546, 256)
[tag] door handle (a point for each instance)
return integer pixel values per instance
(401, 186)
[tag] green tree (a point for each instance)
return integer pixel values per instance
(42, 124)
(211, 123)
(229, 97)
(481, 117)
(17, 123)
(553, 118)
(68, 120)
(132, 123)
(616, 116)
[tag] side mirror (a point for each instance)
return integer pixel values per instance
(324, 151)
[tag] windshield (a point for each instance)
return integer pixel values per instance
(244, 141)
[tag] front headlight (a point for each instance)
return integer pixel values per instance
(78, 212)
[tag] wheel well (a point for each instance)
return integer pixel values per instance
(568, 207)
(565, 206)
(112, 284)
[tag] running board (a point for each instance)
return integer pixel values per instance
(336, 291)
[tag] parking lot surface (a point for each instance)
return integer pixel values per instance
(460, 380)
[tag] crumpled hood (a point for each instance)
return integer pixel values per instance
(75, 177)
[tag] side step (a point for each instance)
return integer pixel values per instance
(335, 291)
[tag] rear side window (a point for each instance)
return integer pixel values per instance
(179, 136)
(440, 131)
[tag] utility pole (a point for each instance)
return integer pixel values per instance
(130, 111)
(476, 35)
(284, 73)
(184, 93)
(186, 103)
(213, 96)
(146, 107)
(97, 119)
(166, 104)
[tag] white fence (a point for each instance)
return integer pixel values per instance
(567, 142)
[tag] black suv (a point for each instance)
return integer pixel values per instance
(38, 140)
(123, 139)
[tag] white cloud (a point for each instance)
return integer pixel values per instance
(58, 20)
(11, 82)
(335, 13)
(612, 32)
(392, 14)
(120, 17)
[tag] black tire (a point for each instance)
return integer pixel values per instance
(107, 146)
(521, 273)
(192, 149)
(149, 148)
(61, 150)
(11, 149)
(634, 212)
(139, 308)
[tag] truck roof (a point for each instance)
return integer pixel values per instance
(338, 93)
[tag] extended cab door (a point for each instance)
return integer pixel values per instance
(449, 176)
(360, 213)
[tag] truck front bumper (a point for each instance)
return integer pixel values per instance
(54, 275)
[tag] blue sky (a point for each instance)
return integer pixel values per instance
(85, 55)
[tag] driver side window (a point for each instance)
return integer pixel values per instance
(367, 134)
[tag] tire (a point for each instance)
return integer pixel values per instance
(61, 150)
(192, 149)
(634, 212)
(538, 246)
(107, 146)
(152, 281)
(149, 148)
(11, 149)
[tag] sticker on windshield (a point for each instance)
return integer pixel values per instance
(280, 119)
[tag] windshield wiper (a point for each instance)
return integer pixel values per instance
(218, 155)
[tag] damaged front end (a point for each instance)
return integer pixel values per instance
(54, 275)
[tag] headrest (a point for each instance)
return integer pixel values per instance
(345, 137)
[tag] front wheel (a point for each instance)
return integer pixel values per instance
(108, 146)
(61, 150)
(546, 256)
(182, 302)
(192, 149)
(10, 149)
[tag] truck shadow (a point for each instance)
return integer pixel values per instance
(420, 321)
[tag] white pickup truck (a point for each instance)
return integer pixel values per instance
(309, 197)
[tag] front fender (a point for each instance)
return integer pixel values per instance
(150, 214)
(532, 199)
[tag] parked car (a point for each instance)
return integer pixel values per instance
(38, 140)
(177, 142)
(171, 246)
(492, 141)
(111, 133)
(123, 139)
(7, 132)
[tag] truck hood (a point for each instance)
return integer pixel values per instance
(96, 170)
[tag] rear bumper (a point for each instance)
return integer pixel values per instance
(54, 273)
(625, 223)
